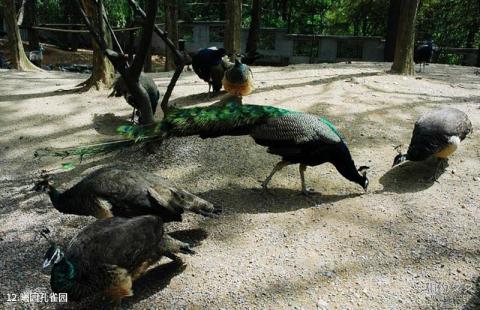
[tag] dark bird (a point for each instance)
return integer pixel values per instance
(423, 53)
(209, 65)
(119, 191)
(146, 82)
(297, 137)
(36, 56)
(108, 255)
(437, 133)
(238, 80)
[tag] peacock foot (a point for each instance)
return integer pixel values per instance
(308, 191)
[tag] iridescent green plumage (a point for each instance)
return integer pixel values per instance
(207, 122)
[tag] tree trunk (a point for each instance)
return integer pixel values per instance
(19, 58)
(403, 60)
(148, 66)
(254, 31)
(171, 27)
(30, 21)
(392, 26)
(103, 73)
(233, 23)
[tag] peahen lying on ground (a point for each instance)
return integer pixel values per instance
(108, 255)
(238, 80)
(297, 137)
(437, 133)
(146, 82)
(126, 192)
(210, 66)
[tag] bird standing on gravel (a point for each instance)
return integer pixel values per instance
(297, 137)
(119, 191)
(238, 80)
(423, 54)
(209, 65)
(108, 255)
(437, 133)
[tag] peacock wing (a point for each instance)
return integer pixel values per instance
(125, 242)
(295, 129)
(125, 189)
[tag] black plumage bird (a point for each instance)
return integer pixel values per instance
(423, 53)
(126, 192)
(437, 133)
(299, 138)
(147, 83)
(209, 65)
(108, 255)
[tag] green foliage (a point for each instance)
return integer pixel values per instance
(453, 23)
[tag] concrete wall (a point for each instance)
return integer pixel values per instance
(284, 46)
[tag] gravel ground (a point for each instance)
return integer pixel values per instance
(407, 243)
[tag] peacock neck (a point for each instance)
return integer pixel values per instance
(346, 167)
(63, 276)
(57, 199)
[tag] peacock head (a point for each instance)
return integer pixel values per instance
(364, 181)
(54, 254)
(44, 185)
(399, 158)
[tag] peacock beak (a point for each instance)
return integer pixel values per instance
(46, 263)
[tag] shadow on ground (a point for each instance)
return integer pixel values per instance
(409, 177)
(274, 200)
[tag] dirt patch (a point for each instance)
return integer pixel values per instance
(405, 244)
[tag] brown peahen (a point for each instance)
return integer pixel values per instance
(108, 255)
(238, 80)
(436, 133)
(126, 192)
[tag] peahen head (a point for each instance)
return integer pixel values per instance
(400, 158)
(54, 254)
(364, 180)
(44, 185)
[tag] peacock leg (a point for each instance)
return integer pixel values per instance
(133, 116)
(306, 191)
(170, 246)
(277, 168)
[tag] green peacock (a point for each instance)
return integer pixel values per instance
(299, 138)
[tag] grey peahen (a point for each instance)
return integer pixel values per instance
(238, 80)
(126, 192)
(436, 133)
(108, 255)
(146, 82)
(297, 137)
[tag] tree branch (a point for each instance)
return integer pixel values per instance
(146, 38)
(179, 58)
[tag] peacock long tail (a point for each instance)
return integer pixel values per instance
(211, 121)
(207, 122)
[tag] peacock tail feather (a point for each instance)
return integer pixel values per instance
(222, 119)
(211, 121)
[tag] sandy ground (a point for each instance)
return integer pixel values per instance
(407, 243)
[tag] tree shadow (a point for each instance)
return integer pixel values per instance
(410, 177)
(59, 92)
(107, 124)
(195, 99)
(274, 200)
